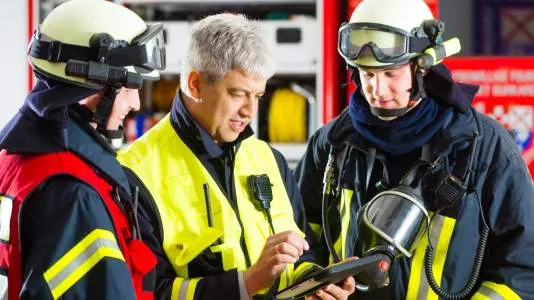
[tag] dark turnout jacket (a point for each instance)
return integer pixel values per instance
(499, 179)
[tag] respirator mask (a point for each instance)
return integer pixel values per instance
(393, 222)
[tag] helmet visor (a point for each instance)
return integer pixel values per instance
(385, 43)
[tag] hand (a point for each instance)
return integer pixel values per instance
(279, 250)
(332, 291)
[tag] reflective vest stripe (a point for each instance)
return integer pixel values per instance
(418, 285)
(317, 229)
(303, 269)
(495, 291)
(285, 277)
(440, 235)
(344, 212)
(184, 289)
(80, 259)
(6, 210)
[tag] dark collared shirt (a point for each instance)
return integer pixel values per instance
(217, 159)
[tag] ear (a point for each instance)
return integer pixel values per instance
(193, 84)
(91, 102)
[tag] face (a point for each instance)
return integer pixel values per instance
(126, 100)
(225, 108)
(387, 88)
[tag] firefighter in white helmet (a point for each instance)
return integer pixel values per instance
(410, 138)
(68, 222)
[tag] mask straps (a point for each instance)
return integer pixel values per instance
(370, 162)
(426, 154)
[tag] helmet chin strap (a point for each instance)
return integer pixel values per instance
(102, 113)
(388, 113)
(112, 134)
(394, 112)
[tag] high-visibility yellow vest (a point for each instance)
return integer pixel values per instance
(175, 178)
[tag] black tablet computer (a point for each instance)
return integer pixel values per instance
(332, 274)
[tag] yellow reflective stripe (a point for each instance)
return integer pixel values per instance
(176, 288)
(495, 291)
(285, 277)
(344, 213)
(440, 235)
(346, 198)
(184, 289)
(302, 269)
(417, 269)
(440, 252)
(479, 296)
(317, 229)
(80, 259)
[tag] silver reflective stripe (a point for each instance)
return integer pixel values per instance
(184, 286)
(490, 293)
(3, 287)
(437, 225)
(6, 209)
(80, 259)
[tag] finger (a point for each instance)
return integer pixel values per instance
(349, 285)
(281, 259)
(286, 248)
(351, 258)
(312, 297)
(294, 239)
(323, 294)
(276, 238)
(335, 291)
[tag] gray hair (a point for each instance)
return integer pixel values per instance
(220, 43)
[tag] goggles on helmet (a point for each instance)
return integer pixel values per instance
(145, 52)
(387, 44)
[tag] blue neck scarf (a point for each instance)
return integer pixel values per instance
(403, 134)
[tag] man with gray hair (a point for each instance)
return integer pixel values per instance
(220, 208)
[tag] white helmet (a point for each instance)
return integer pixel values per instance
(386, 33)
(96, 43)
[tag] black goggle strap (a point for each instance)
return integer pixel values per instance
(418, 44)
(55, 51)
